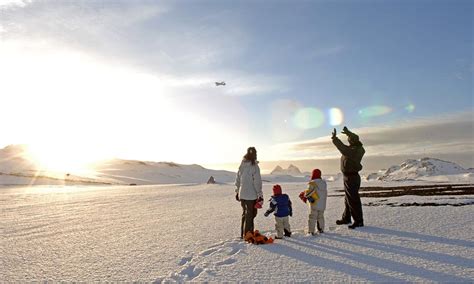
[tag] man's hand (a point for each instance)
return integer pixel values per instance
(345, 130)
(334, 133)
(237, 197)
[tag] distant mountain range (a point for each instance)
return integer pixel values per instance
(16, 168)
(292, 170)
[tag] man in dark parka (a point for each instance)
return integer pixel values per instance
(350, 166)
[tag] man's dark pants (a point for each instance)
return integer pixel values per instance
(248, 214)
(353, 205)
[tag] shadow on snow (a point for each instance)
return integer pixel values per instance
(387, 265)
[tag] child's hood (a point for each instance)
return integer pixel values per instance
(277, 190)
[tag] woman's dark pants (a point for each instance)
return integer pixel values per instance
(248, 214)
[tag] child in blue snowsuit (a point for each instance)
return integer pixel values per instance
(281, 205)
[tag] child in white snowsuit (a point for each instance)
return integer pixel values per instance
(316, 205)
(281, 205)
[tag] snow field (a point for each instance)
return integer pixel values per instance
(190, 233)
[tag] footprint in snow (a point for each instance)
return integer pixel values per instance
(233, 247)
(208, 261)
(191, 272)
(234, 251)
(228, 261)
(187, 274)
(185, 260)
(208, 251)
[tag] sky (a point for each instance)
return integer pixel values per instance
(87, 80)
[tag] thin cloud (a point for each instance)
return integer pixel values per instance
(459, 76)
(144, 35)
(244, 85)
(442, 134)
(326, 51)
(237, 84)
(9, 4)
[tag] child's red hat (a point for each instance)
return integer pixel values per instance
(276, 189)
(316, 174)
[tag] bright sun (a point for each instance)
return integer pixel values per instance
(61, 159)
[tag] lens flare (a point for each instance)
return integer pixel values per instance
(336, 117)
(281, 123)
(307, 118)
(374, 111)
(410, 108)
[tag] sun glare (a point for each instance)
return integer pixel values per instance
(59, 159)
(76, 109)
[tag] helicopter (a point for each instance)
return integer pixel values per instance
(220, 83)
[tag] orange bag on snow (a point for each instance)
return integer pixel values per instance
(256, 238)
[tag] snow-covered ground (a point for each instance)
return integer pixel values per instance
(182, 233)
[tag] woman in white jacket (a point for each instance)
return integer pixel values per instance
(249, 189)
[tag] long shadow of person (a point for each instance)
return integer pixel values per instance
(329, 264)
(405, 251)
(426, 238)
(389, 266)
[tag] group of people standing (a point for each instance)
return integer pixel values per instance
(250, 195)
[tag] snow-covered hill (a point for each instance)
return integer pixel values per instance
(16, 168)
(419, 169)
(140, 172)
(13, 159)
